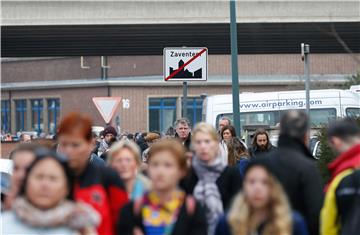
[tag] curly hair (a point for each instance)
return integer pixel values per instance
(241, 219)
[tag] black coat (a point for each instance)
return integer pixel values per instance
(229, 184)
(187, 142)
(186, 224)
(296, 170)
(257, 152)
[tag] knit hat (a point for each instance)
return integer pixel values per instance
(109, 130)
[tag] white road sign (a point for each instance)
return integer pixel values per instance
(106, 106)
(185, 64)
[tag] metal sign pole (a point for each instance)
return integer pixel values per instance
(305, 52)
(234, 67)
(185, 91)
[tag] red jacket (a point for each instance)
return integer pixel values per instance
(103, 189)
(347, 160)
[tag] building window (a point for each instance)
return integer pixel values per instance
(37, 116)
(53, 114)
(5, 116)
(162, 113)
(194, 109)
(20, 115)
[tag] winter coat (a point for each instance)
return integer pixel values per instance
(229, 183)
(242, 164)
(342, 204)
(256, 152)
(299, 226)
(187, 142)
(102, 188)
(11, 224)
(297, 171)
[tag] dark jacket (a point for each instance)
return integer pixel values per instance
(299, 226)
(187, 142)
(102, 188)
(296, 170)
(256, 152)
(229, 183)
(187, 223)
(94, 159)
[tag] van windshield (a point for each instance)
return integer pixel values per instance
(318, 117)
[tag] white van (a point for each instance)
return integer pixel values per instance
(266, 108)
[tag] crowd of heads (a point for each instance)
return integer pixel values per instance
(45, 175)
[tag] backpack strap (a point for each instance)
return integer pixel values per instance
(190, 205)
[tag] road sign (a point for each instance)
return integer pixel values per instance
(106, 106)
(185, 64)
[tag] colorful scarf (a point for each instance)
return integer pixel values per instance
(160, 218)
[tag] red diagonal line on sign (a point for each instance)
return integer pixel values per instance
(183, 66)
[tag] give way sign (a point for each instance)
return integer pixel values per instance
(107, 106)
(185, 63)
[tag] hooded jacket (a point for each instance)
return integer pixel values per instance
(339, 206)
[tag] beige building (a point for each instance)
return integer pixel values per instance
(43, 41)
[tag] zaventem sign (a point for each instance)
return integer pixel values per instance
(185, 64)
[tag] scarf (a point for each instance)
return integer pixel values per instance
(76, 216)
(160, 218)
(207, 192)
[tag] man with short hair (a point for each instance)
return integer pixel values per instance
(183, 131)
(224, 121)
(341, 210)
(295, 168)
(261, 143)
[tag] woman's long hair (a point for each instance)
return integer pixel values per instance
(236, 150)
(241, 218)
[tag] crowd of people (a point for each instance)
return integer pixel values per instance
(200, 180)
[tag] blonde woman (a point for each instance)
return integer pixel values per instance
(124, 158)
(210, 180)
(262, 208)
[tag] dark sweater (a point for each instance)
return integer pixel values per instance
(229, 183)
(186, 224)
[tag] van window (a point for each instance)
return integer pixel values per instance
(271, 118)
(353, 112)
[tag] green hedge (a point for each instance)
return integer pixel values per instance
(326, 153)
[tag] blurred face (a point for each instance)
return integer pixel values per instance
(227, 135)
(223, 123)
(338, 145)
(256, 187)
(26, 138)
(164, 171)
(261, 141)
(21, 161)
(46, 185)
(206, 148)
(125, 164)
(109, 138)
(76, 149)
(182, 130)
